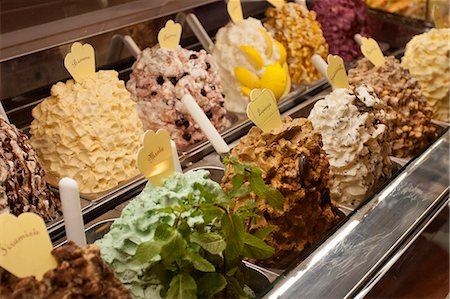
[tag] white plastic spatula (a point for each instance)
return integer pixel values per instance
(320, 65)
(71, 207)
(358, 39)
(205, 125)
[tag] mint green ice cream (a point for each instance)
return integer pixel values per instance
(138, 223)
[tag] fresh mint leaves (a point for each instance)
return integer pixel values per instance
(204, 259)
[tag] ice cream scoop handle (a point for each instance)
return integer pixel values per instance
(320, 64)
(358, 38)
(205, 125)
(71, 207)
(131, 45)
(176, 160)
(199, 31)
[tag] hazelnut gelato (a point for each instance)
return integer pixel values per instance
(411, 129)
(355, 138)
(292, 161)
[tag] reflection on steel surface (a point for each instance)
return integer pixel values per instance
(340, 266)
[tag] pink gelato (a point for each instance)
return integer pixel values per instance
(159, 80)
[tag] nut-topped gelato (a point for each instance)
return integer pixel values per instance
(292, 161)
(354, 127)
(161, 77)
(23, 183)
(411, 129)
(89, 131)
(298, 31)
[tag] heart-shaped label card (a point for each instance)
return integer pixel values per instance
(263, 110)
(336, 73)
(234, 8)
(80, 61)
(25, 246)
(371, 50)
(154, 158)
(169, 36)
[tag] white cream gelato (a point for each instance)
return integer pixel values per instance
(89, 131)
(355, 140)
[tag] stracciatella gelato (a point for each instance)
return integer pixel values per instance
(248, 58)
(411, 130)
(341, 20)
(298, 31)
(427, 57)
(23, 186)
(138, 224)
(161, 77)
(89, 131)
(292, 160)
(355, 138)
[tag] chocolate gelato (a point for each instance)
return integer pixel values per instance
(292, 161)
(81, 273)
(23, 186)
(412, 129)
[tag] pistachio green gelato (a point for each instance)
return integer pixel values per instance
(138, 223)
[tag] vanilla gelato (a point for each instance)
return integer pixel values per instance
(245, 49)
(298, 31)
(355, 139)
(427, 59)
(89, 131)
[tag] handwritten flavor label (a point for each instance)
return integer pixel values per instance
(263, 110)
(277, 3)
(234, 8)
(80, 61)
(154, 158)
(169, 36)
(336, 72)
(371, 50)
(25, 246)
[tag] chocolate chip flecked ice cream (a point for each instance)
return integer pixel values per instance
(23, 187)
(412, 129)
(161, 77)
(81, 273)
(292, 161)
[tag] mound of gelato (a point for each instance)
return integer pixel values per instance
(23, 186)
(249, 58)
(138, 224)
(409, 8)
(298, 31)
(89, 131)
(356, 141)
(161, 77)
(292, 161)
(411, 130)
(81, 273)
(341, 20)
(427, 58)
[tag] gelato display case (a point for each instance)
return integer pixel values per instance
(354, 239)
